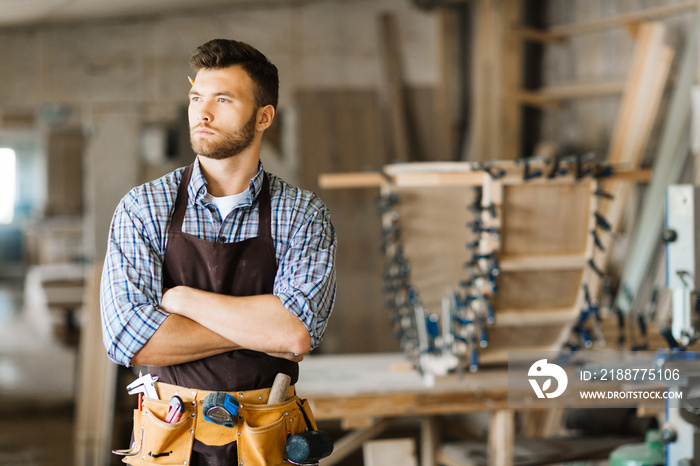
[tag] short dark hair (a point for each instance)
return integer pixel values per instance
(222, 53)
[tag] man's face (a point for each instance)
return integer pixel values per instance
(222, 112)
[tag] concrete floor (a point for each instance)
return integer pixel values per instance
(37, 380)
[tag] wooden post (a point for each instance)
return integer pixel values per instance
(501, 437)
(428, 440)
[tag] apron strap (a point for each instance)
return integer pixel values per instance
(181, 201)
(265, 208)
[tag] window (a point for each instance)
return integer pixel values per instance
(8, 176)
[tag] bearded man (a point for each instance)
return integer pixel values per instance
(219, 276)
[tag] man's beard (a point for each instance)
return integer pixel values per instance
(230, 145)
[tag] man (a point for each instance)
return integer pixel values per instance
(219, 276)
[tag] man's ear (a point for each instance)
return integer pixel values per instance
(264, 117)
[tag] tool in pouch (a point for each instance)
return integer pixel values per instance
(302, 449)
(145, 385)
(222, 408)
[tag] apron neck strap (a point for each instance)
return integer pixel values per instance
(181, 200)
(265, 208)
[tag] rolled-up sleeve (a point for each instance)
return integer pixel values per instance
(306, 282)
(131, 285)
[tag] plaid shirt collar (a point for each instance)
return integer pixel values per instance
(197, 188)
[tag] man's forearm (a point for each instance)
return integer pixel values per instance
(260, 323)
(179, 340)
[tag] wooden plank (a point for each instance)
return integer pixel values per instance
(537, 289)
(668, 164)
(485, 120)
(448, 89)
(533, 317)
(551, 97)
(96, 385)
(641, 98)
(351, 180)
(393, 86)
(417, 180)
(434, 234)
(539, 220)
(638, 111)
(462, 175)
(511, 55)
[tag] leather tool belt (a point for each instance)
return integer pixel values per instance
(260, 431)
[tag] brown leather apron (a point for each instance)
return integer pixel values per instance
(243, 268)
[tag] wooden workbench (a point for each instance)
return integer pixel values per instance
(366, 392)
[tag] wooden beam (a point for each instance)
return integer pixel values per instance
(559, 33)
(551, 96)
(615, 21)
(394, 87)
(668, 165)
(351, 180)
(534, 317)
(538, 35)
(416, 178)
(638, 112)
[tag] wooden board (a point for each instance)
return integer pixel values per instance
(545, 219)
(540, 290)
(342, 130)
(434, 235)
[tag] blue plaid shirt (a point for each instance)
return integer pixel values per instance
(132, 282)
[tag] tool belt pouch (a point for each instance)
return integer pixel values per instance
(263, 429)
(159, 442)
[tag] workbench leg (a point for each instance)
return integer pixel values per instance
(429, 432)
(501, 437)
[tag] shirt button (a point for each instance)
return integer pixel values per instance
(222, 239)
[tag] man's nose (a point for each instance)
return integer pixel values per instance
(204, 114)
